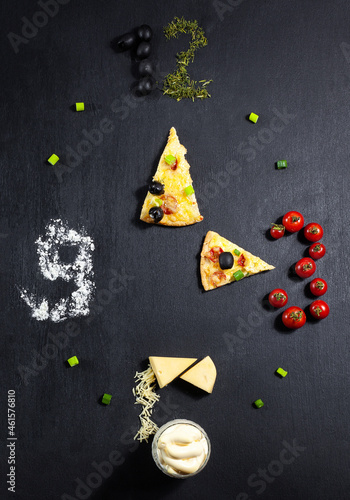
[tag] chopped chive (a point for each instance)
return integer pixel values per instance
(106, 399)
(259, 403)
(236, 252)
(281, 372)
(253, 117)
(79, 106)
(53, 159)
(282, 164)
(170, 159)
(238, 275)
(178, 84)
(158, 202)
(73, 361)
(189, 190)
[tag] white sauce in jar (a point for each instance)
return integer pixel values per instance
(182, 449)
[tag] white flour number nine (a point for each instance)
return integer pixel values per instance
(57, 235)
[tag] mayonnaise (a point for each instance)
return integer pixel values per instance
(182, 448)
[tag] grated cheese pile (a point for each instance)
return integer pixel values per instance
(145, 395)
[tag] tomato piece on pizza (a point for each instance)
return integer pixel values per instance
(223, 262)
(171, 200)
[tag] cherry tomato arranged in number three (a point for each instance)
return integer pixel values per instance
(278, 297)
(319, 309)
(294, 317)
(317, 250)
(293, 221)
(313, 231)
(277, 231)
(318, 286)
(305, 267)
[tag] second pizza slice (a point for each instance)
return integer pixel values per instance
(223, 262)
(171, 200)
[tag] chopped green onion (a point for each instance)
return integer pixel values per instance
(158, 202)
(253, 117)
(238, 275)
(79, 106)
(259, 403)
(281, 372)
(53, 159)
(282, 164)
(73, 361)
(170, 159)
(189, 190)
(236, 252)
(106, 399)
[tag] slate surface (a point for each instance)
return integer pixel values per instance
(276, 58)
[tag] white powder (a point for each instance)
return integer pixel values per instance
(80, 271)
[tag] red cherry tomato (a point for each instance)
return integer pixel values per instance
(318, 286)
(293, 317)
(278, 297)
(293, 221)
(317, 250)
(241, 260)
(305, 267)
(319, 309)
(277, 231)
(313, 231)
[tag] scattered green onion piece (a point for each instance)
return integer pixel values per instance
(236, 252)
(238, 275)
(259, 403)
(253, 117)
(53, 159)
(170, 159)
(73, 361)
(158, 202)
(189, 190)
(281, 372)
(282, 164)
(79, 106)
(106, 399)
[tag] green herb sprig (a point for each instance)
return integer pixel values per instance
(179, 85)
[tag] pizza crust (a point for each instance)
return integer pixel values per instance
(203, 264)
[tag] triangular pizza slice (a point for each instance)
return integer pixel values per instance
(166, 369)
(171, 200)
(223, 262)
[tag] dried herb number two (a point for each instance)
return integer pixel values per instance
(179, 85)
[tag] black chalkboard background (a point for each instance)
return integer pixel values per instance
(272, 57)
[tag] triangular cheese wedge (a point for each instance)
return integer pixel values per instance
(177, 205)
(167, 369)
(202, 375)
(244, 263)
